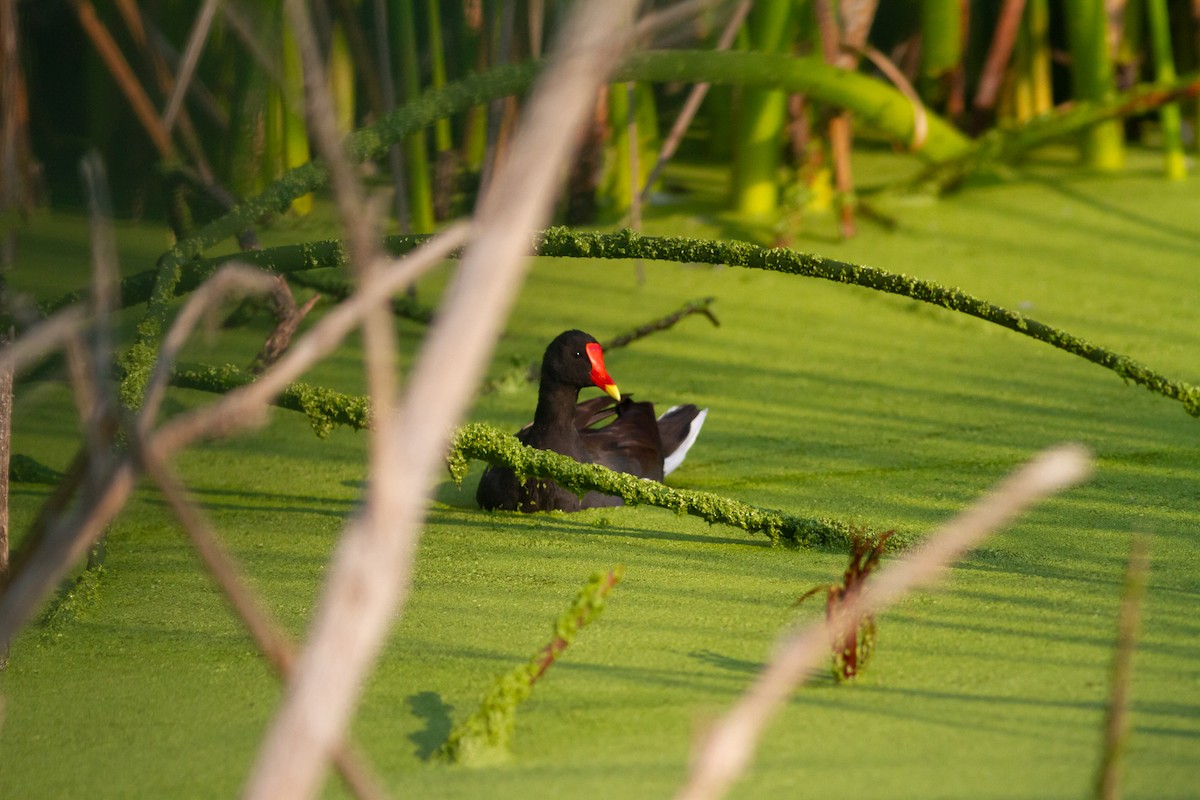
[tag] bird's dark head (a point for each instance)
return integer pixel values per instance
(574, 358)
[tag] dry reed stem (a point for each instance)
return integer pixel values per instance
(246, 407)
(187, 65)
(93, 381)
(1129, 619)
(6, 397)
(68, 536)
(360, 219)
(371, 570)
(694, 99)
(232, 279)
(999, 54)
(124, 75)
(727, 749)
(42, 338)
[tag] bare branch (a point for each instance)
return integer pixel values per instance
(42, 338)
(728, 748)
(694, 99)
(191, 57)
(360, 221)
(230, 279)
(66, 540)
(372, 567)
(244, 407)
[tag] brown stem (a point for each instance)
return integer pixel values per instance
(663, 323)
(553, 650)
(998, 56)
(122, 73)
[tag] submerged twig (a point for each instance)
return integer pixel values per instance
(701, 306)
(853, 648)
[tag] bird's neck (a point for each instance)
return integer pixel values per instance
(556, 406)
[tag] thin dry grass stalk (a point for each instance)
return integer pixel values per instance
(66, 534)
(187, 66)
(6, 384)
(1116, 722)
(371, 570)
(246, 407)
(232, 279)
(727, 749)
(695, 97)
(42, 338)
(360, 219)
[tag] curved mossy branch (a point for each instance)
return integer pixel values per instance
(1007, 145)
(486, 443)
(368, 143)
(325, 408)
(561, 242)
(874, 102)
(282, 260)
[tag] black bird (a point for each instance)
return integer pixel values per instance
(635, 442)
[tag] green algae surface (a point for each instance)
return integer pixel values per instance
(825, 401)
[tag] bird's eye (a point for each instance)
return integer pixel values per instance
(578, 354)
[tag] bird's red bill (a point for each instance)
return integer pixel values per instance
(599, 374)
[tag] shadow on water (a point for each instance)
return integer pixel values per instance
(430, 708)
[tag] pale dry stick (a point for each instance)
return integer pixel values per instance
(102, 244)
(69, 536)
(6, 403)
(97, 395)
(726, 751)
(232, 279)
(631, 131)
(67, 539)
(42, 338)
(694, 99)
(372, 568)
(358, 217)
(272, 641)
(387, 89)
(245, 407)
(1116, 723)
(243, 29)
(669, 18)
(96, 404)
(901, 82)
(191, 57)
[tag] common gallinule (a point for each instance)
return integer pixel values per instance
(635, 442)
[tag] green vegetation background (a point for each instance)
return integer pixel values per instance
(824, 399)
